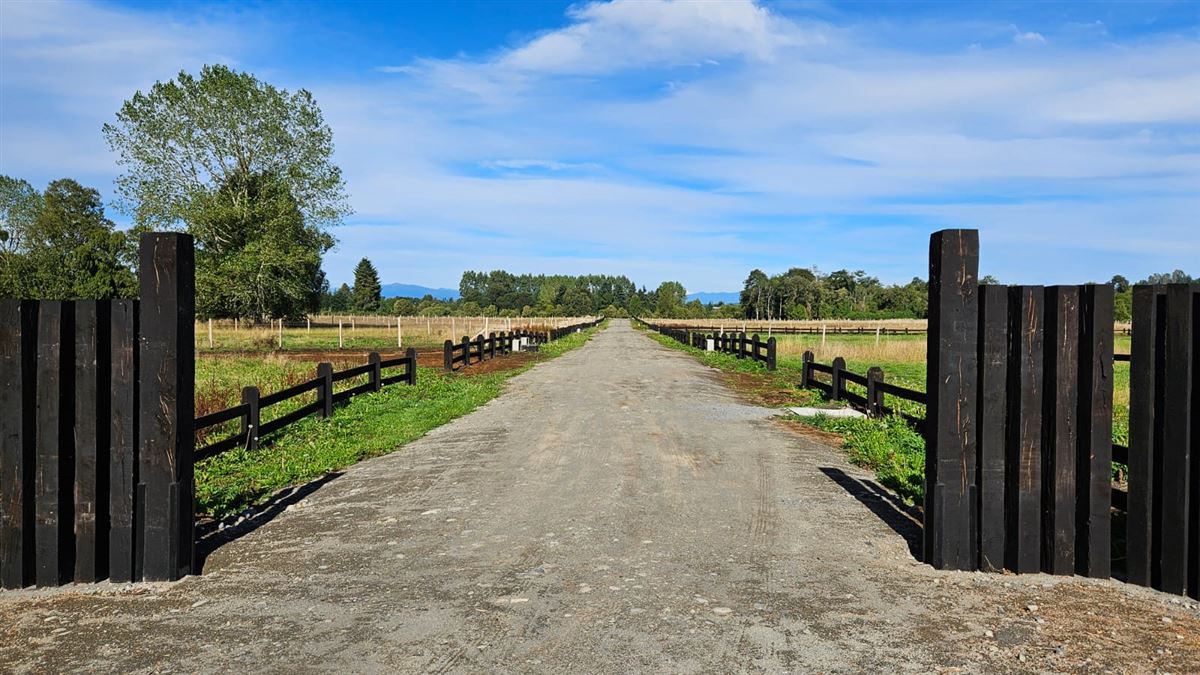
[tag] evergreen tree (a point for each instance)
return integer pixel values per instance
(366, 295)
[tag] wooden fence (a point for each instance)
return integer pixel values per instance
(873, 402)
(249, 411)
(738, 344)
(457, 355)
(96, 430)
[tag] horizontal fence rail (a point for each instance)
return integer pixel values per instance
(250, 411)
(737, 344)
(873, 401)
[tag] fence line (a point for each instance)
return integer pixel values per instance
(468, 351)
(249, 411)
(754, 348)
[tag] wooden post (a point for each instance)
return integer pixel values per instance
(1023, 453)
(123, 424)
(1149, 315)
(53, 506)
(281, 333)
(375, 375)
(90, 437)
(874, 396)
(491, 345)
(341, 343)
(1060, 426)
(325, 373)
(1173, 528)
(952, 390)
(253, 418)
(991, 412)
(411, 356)
(399, 334)
(771, 353)
(839, 364)
(210, 335)
(308, 324)
(448, 356)
(822, 335)
(18, 332)
(1093, 556)
(466, 349)
(806, 362)
(165, 436)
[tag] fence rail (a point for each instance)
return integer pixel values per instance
(738, 344)
(873, 402)
(250, 410)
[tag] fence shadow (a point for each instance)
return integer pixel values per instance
(903, 519)
(210, 536)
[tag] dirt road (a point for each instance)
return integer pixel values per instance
(618, 510)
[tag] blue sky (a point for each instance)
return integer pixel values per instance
(690, 141)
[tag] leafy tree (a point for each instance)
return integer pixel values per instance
(256, 257)
(340, 302)
(20, 204)
(1176, 277)
(1119, 283)
(670, 298)
(70, 250)
(191, 136)
(366, 296)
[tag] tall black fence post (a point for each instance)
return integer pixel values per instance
(252, 419)
(168, 373)
(466, 350)
(18, 321)
(806, 362)
(325, 373)
(375, 375)
(771, 353)
(448, 356)
(835, 378)
(874, 395)
(411, 355)
(952, 388)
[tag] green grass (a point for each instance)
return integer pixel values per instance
(366, 426)
(888, 446)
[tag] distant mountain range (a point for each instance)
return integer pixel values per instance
(414, 291)
(729, 298)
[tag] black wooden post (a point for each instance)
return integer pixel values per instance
(1144, 386)
(325, 373)
(754, 347)
(253, 417)
(448, 356)
(123, 424)
(874, 395)
(91, 439)
(1093, 556)
(491, 345)
(53, 524)
(1023, 476)
(165, 437)
(375, 375)
(1060, 442)
(771, 353)
(18, 330)
(1173, 527)
(991, 413)
(466, 350)
(951, 387)
(411, 356)
(741, 345)
(806, 362)
(835, 379)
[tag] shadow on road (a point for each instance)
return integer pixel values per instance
(210, 536)
(902, 518)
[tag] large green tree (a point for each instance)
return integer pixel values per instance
(256, 256)
(244, 167)
(366, 294)
(69, 250)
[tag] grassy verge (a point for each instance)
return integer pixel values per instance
(366, 426)
(887, 446)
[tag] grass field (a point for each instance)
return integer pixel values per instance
(371, 332)
(366, 426)
(889, 447)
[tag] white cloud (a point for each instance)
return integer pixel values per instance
(1029, 37)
